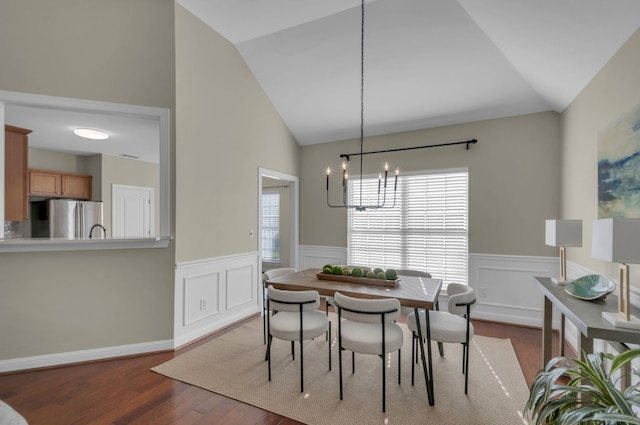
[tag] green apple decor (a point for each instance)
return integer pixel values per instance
(357, 272)
(365, 272)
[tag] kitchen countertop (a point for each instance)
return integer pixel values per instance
(59, 244)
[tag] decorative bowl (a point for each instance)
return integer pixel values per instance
(590, 287)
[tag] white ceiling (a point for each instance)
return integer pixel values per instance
(130, 135)
(427, 63)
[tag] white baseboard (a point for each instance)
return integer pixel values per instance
(59, 359)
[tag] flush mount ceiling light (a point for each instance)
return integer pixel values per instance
(91, 133)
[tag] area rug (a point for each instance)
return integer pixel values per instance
(233, 365)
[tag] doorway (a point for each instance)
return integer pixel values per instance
(132, 211)
(291, 183)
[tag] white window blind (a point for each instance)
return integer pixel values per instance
(426, 230)
(270, 231)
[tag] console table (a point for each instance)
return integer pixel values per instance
(585, 315)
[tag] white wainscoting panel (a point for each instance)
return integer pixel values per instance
(505, 288)
(240, 287)
(317, 256)
(213, 293)
(201, 297)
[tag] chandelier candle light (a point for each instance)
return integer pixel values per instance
(382, 190)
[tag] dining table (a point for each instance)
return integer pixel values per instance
(412, 291)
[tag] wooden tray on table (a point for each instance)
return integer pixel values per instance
(362, 280)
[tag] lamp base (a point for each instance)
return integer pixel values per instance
(559, 281)
(615, 320)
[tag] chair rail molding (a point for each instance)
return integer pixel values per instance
(213, 293)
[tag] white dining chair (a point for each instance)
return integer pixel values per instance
(413, 273)
(408, 272)
(452, 326)
(296, 318)
(367, 326)
(266, 276)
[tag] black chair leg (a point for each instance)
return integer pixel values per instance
(264, 314)
(340, 367)
(329, 345)
(414, 355)
(384, 382)
(301, 367)
(268, 355)
(466, 374)
(464, 356)
(399, 365)
(326, 311)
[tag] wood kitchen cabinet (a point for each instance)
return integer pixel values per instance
(55, 184)
(15, 173)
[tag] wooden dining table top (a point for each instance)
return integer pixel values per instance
(411, 291)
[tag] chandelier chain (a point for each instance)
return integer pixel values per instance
(361, 92)
(382, 184)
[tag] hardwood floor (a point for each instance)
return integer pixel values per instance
(125, 391)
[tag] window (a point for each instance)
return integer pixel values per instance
(426, 230)
(270, 231)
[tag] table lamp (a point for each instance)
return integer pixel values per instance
(563, 233)
(618, 240)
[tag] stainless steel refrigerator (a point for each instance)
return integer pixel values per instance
(67, 218)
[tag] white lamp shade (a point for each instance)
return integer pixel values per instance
(563, 232)
(616, 240)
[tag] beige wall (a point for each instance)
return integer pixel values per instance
(614, 91)
(93, 167)
(117, 51)
(227, 128)
(513, 179)
(43, 159)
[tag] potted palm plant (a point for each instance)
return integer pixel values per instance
(568, 392)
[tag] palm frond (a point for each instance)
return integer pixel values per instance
(589, 397)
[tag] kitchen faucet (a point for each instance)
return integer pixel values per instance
(100, 226)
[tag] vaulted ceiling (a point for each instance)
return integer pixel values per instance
(427, 63)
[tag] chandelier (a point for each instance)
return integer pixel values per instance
(381, 201)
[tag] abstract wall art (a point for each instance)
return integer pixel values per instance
(619, 167)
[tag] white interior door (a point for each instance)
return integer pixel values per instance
(132, 211)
